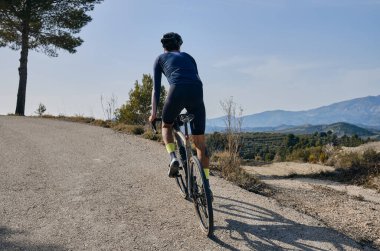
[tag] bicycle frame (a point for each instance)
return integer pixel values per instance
(201, 198)
(189, 152)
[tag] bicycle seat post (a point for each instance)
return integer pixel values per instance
(186, 130)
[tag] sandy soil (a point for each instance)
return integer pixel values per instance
(372, 145)
(286, 168)
(352, 210)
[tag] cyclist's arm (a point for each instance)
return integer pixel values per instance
(195, 64)
(157, 74)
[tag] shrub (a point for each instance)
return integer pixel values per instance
(137, 130)
(99, 122)
(371, 162)
(312, 158)
(347, 160)
(371, 157)
(299, 155)
(323, 158)
(215, 157)
(258, 158)
(47, 116)
(40, 110)
(152, 136)
(278, 158)
(121, 127)
(361, 169)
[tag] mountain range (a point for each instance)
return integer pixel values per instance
(363, 112)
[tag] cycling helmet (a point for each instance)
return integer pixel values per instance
(171, 41)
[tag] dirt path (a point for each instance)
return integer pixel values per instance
(69, 186)
(352, 210)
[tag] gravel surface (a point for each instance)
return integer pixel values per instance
(352, 210)
(70, 186)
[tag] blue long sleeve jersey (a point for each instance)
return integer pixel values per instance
(179, 68)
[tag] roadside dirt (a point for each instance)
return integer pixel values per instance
(351, 210)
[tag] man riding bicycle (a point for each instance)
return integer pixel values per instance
(185, 91)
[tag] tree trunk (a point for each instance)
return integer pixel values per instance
(23, 70)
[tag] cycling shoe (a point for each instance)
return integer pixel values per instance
(173, 168)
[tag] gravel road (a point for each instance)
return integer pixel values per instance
(70, 186)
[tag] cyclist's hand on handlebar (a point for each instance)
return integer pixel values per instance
(152, 118)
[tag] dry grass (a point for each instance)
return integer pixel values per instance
(229, 168)
(119, 127)
(152, 136)
(130, 129)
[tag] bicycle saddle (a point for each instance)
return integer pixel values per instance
(186, 118)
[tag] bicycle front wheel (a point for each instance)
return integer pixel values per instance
(181, 154)
(201, 196)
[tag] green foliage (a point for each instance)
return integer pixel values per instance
(291, 140)
(137, 109)
(263, 146)
(270, 146)
(216, 142)
(48, 25)
(41, 109)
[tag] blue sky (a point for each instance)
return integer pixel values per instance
(267, 54)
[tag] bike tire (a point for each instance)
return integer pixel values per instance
(181, 154)
(201, 196)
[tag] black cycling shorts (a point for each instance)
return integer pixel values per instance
(190, 97)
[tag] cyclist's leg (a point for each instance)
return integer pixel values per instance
(203, 156)
(198, 137)
(167, 133)
(170, 111)
(202, 153)
(198, 126)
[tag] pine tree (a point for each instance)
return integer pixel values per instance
(43, 26)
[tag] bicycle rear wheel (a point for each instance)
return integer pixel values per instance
(181, 154)
(201, 196)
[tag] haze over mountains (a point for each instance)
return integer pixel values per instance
(363, 112)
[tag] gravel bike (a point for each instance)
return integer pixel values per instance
(191, 179)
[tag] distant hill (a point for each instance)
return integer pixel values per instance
(210, 129)
(364, 111)
(339, 129)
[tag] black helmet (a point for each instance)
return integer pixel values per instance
(171, 41)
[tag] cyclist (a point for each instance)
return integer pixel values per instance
(185, 91)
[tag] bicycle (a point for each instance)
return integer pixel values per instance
(191, 179)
